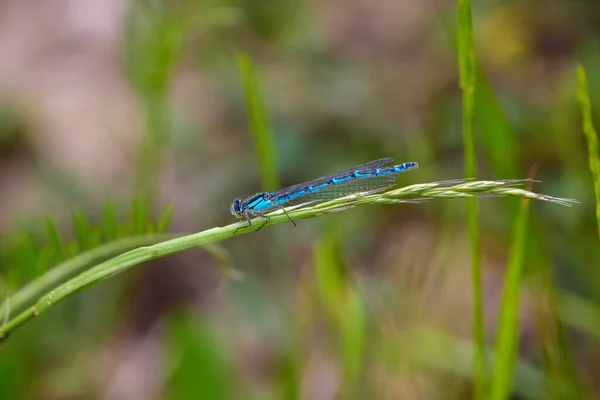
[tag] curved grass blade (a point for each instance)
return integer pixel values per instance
(591, 136)
(137, 256)
(66, 269)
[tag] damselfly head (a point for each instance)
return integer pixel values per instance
(237, 209)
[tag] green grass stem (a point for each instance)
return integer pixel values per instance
(434, 350)
(508, 328)
(262, 133)
(591, 136)
(413, 193)
(61, 272)
(467, 70)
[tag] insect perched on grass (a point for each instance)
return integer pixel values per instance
(375, 175)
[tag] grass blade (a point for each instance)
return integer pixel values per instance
(139, 216)
(26, 254)
(261, 131)
(508, 324)
(591, 136)
(199, 367)
(59, 273)
(345, 307)
(6, 307)
(54, 241)
(437, 350)
(467, 70)
(111, 221)
(554, 315)
(123, 262)
(82, 230)
(165, 219)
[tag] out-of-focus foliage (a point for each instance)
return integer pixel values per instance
(104, 102)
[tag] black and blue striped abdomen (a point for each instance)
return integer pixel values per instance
(343, 184)
(372, 176)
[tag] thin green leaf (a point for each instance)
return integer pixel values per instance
(557, 360)
(330, 277)
(438, 351)
(6, 307)
(111, 221)
(71, 249)
(346, 309)
(199, 368)
(154, 36)
(27, 257)
(353, 337)
(261, 131)
(496, 133)
(466, 53)
(123, 262)
(27, 294)
(139, 216)
(44, 258)
(150, 227)
(12, 276)
(591, 136)
(165, 219)
(124, 230)
(508, 326)
(54, 240)
(467, 70)
(95, 237)
(82, 227)
(580, 314)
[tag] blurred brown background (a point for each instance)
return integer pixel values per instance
(106, 100)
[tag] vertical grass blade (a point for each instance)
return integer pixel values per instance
(26, 295)
(54, 242)
(111, 221)
(508, 324)
(26, 254)
(346, 310)
(497, 134)
(124, 261)
(6, 310)
(557, 359)
(154, 36)
(467, 71)
(466, 53)
(264, 141)
(198, 364)
(261, 130)
(139, 215)
(165, 219)
(82, 230)
(591, 136)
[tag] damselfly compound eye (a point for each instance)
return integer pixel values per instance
(236, 208)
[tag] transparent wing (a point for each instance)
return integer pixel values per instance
(335, 191)
(382, 162)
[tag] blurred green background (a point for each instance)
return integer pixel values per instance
(111, 110)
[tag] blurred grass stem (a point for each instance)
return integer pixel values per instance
(413, 193)
(591, 136)
(467, 70)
